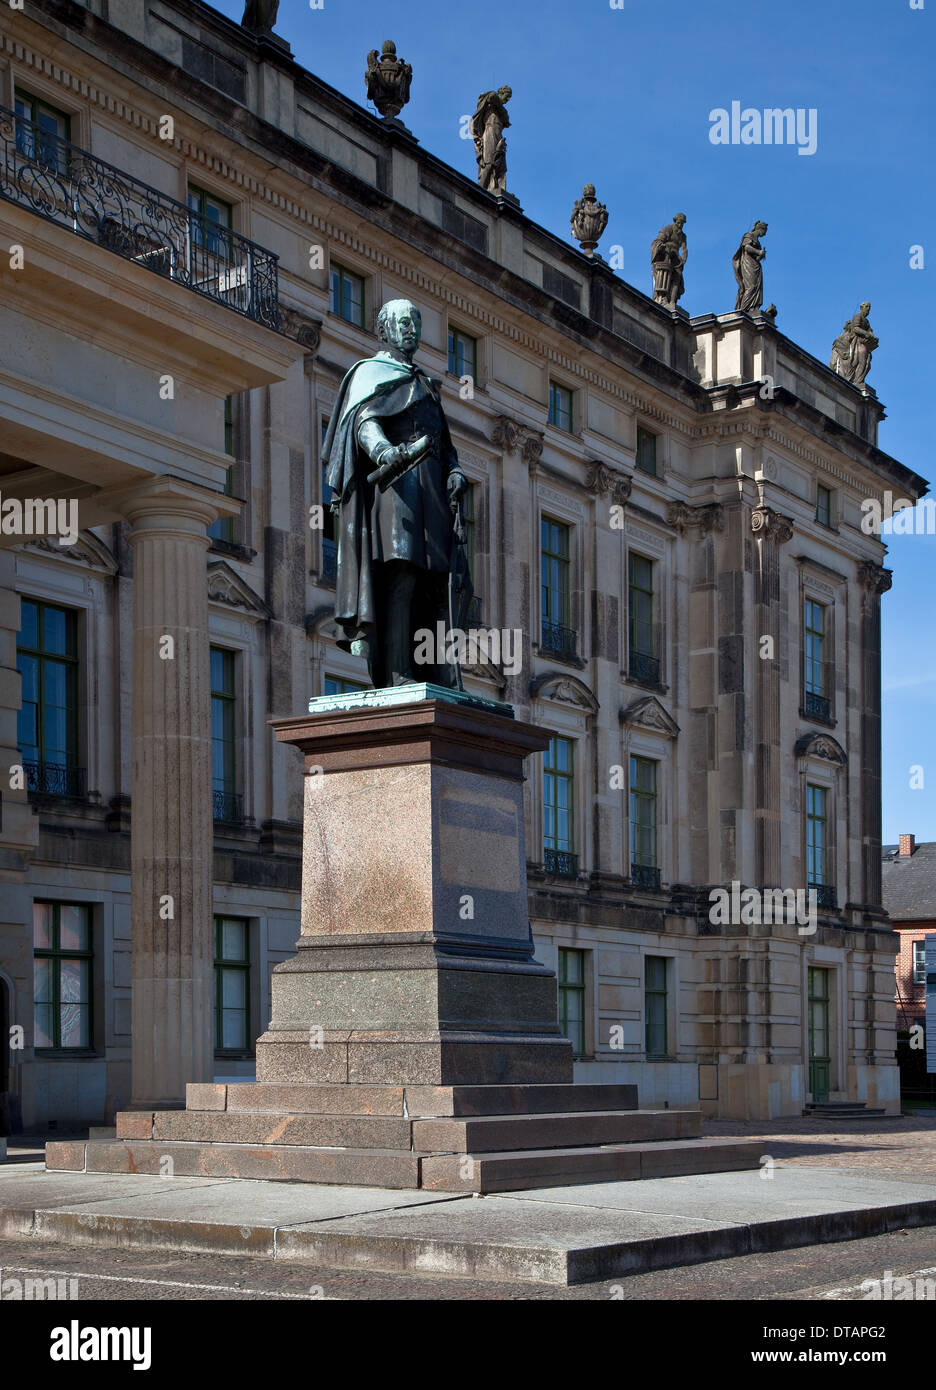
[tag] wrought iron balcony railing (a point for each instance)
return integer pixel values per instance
(228, 806)
(817, 706)
(54, 779)
(645, 876)
(561, 862)
(66, 185)
(558, 639)
(826, 895)
(643, 668)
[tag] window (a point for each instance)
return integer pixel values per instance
(40, 131)
(823, 505)
(224, 736)
(558, 808)
(470, 518)
(62, 961)
(919, 962)
(338, 685)
(329, 571)
(646, 451)
(817, 703)
(347, 295)
(560, 406)
(645, 871)
(555, 539)
(47, 721)
(223, 528)
(232, 985)
(211, 223)
(818, 1013)
(572, 998)
(656, 980)
(818, 848)
(642, 662)
(462, 354)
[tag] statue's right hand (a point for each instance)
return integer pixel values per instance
(418, 447)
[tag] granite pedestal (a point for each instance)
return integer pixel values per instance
(414, 1039)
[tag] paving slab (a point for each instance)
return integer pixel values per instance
(560, 1235)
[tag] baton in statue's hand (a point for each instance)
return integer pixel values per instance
(399, 459)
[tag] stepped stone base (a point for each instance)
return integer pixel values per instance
(440, 1138)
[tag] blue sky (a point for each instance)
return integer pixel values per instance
(621, 98)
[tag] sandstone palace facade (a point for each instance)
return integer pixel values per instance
(667, 508)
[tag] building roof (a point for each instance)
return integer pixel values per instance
(909, 882)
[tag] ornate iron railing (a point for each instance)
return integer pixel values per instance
(66, 185)
(228, 806)
(817, 706)
(826, 895)
(644, 669)
(558, 639)
(645, 876)
(54, 779)
(561, 862)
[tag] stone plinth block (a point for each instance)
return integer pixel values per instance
(416, 942)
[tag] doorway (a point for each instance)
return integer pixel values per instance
(820, 1062)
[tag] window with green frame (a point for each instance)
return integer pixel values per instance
(47, 720)
(817, 836)
(223, 733)
(40, 131)
(212, 224)
(640, 605)
(347, 295)
(572, 997)
(559, 795)
(462, 354)
(62, 977)
(643, 812)
(560, 406)
(815, 668)
(555, 539)
(232, 986)
(646, 451)
(656, 1004)
(223, 528)
(339, 685)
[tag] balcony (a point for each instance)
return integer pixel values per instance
(560, 862)
(643, 669)
(54, 779)
(558, 640)
(817, 706)
(646, 876)
(228, 806)
(826, 896)
(66, 185)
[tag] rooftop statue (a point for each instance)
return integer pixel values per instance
(852, 349)
(260, 15)
(488, 124)
(747, 263)
(668, 256)
(589, 219)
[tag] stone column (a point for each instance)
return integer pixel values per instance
(874, 581)
(171, 832)
(770, 531)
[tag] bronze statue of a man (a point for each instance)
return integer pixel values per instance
(396, 489)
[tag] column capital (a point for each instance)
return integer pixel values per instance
(766, 523)
(169, 504)
(873, 577)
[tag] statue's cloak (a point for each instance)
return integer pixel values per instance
(379, 388)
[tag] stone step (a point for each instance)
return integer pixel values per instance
(258, 1097)
(843, 1112)
(516, 1172)
(491, 1172)
(491, 1133)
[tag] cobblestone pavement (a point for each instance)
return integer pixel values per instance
(894, 1143)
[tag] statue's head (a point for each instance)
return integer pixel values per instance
(399, 325)
(680, 219)
(865, 308)
(760, 228)
(505, 94)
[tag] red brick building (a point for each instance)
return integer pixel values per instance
(909, 895)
